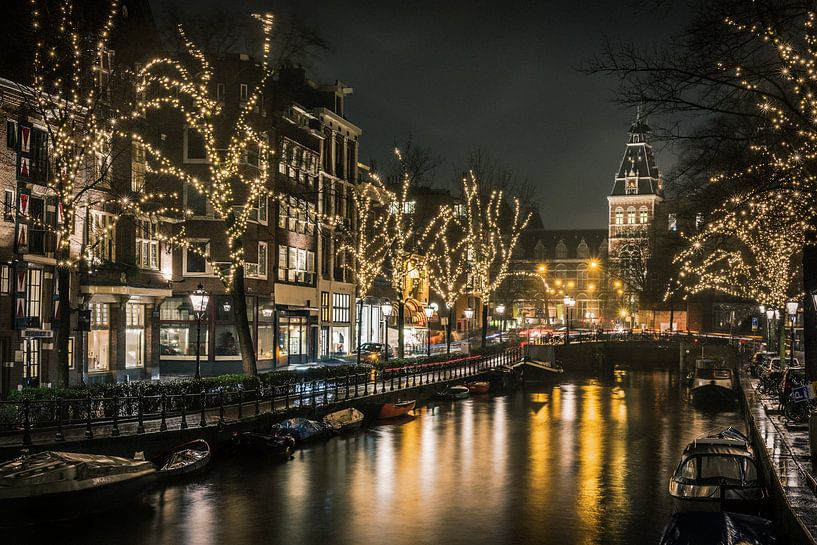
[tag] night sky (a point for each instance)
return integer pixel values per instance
(497, 75)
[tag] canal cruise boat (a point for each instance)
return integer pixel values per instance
(718, 473)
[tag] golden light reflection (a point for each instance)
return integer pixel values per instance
(591, 445)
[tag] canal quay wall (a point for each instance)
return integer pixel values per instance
(785, 466)
(218, 430)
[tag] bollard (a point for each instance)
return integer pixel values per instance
(89, 434)
(414, 375)
(258, 394)
(365, 384)
(115, 428)
(140, 427)
(59, 436)
(240, 404)
(391, 383)
(163, 424)
(26, 423)
(203, 397)
(183, 425)
(383, 379)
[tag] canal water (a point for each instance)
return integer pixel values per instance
(584, 462)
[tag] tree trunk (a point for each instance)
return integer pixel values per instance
(242, 324)
(484, 321)
(359, 325)
(401, 317)
(671, 315)
(448, 331)
(809, 312)
(64, 331)
(781, 336)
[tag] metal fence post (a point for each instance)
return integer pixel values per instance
(203, 397)
(301, 395)
(240, 404)
(365, 384)
(221, 407)
(26, 423)
(163, 424)
(140, 428)
(326, 393)
(183, 425)
(115, 428)
(391, 382)
(89, 433)
(258, 394)
(347, 383)
(59, 436)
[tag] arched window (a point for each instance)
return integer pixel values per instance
(561, 250)
(561, 272)
(581, 276)
(643, 215)
(631, 215)
(619, 216)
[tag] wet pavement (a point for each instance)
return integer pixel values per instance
(789, 455)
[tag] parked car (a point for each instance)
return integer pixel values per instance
(375, 351)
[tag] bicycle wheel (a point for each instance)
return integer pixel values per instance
(795, 412)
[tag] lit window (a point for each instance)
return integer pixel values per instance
(631, 215)
(195, 257)
(672, 222)
(194, 147)
(102, 236)
(147, 245)
(643, 215)
(619, 216)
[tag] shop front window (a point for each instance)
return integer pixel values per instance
(99, 338)
(179, 341)
(135, 336)
(226, 341)
(340, 340)
(266, 329)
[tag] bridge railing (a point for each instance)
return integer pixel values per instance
(24, 421)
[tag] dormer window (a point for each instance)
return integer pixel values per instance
(632, 186)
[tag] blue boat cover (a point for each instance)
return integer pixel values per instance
(302, 428)
(718, 529)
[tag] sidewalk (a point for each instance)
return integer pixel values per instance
(788, 455)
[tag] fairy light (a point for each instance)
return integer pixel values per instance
(446, 247)
(749, 247)
(230, 188)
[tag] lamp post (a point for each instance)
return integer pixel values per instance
(468, 313)
(500, 309)
(569, 303)
(429, 310)
(386, 308)
(199, 300)
(762, 309)
(769, 318)
(791, 309)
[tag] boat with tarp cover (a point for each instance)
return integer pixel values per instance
(718, 473)
(53, 485)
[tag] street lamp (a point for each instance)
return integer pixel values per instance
(199, 300)
(469, 313)
(569, 303)
(500, 309)
(386, 308)
(769, 318)
(429, 310)
(791, 309)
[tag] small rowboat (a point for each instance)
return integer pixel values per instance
(478, 387)
(453, 392)
(393, 410)
(274, 446)
(185, 459)
(343, 420)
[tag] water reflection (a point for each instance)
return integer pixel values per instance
(583, 462)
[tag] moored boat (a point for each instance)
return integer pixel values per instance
(343, 420)
(478, 387)
(303, 429)
(185, 459)
(453, 392)
(400, 408)
(537, 370)
(718, 473)
(63, 485)
(713, 382)
(271, 445)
